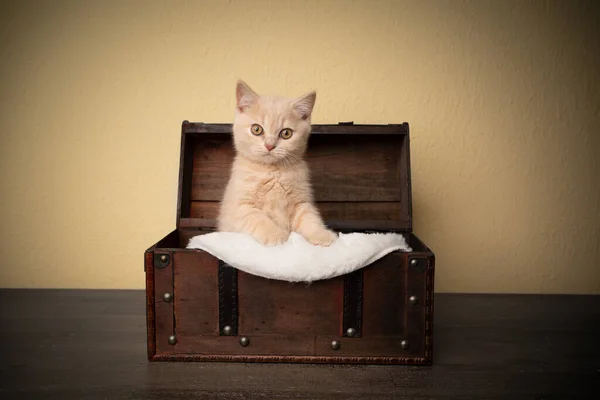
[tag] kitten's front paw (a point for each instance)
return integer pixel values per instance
(270, 236)
(322, 238)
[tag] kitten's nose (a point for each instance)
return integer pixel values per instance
(269, 146)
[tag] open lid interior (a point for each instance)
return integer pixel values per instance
(360, 175)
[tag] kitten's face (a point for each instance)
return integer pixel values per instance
(271, 130)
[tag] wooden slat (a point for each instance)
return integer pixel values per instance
(345, 225)
(385, 289)
(186, 163)
(306, 345)
(388, 347)
(163, 311)
(351, 211)
(207, 210)
(361, 169)
(416, 315)
(359, 181)
(212, 162)
(358, 211)
(355, 169)
(150, 299)
(270, 306)
(316, 129)
(197, 223)
(223, 348)
(196, 294)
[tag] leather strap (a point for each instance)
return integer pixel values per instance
(228, 299)
(353, 303)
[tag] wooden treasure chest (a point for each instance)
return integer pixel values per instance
(199, 308)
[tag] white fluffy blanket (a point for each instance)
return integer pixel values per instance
(297, 260)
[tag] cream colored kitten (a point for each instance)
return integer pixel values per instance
(269, 192)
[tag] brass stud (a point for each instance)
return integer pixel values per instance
(335, 345)
(227, 330)
(161, 260)
(244, 341)
(413, 300)
(167, 297)
(418, 265)
(404, 344)
(172, 339)
(351, 332)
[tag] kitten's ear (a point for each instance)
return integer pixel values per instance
(245, 96)
(303, 106)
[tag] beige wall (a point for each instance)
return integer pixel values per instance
(502, 96)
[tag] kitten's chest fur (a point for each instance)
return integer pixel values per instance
(272, 187)
(274, 190)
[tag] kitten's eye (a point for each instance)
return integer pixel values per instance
(256, 130)
(285, 133)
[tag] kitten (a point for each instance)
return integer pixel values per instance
(269, 194)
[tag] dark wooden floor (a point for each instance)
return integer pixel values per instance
(91, 344)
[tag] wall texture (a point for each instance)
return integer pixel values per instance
(503, 98)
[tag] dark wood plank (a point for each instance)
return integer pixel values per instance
(405, 180)
(164, 326)
(340, 225)
(360, 168)
(212, 160)
(360, 174)
(271, 306)
(186, 158)
(261, 345)
(196, 297)
(363, 169)
(416, 321)
(330, 211)
(150, 303)
(317, 129)
(384, 288)
(73, 344)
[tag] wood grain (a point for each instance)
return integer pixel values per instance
(74, 344)
(356, 168)
(361, 177)
(415, 319)
(196, 294)
(163, 311)
(283, 308)
(219, 348)
(305, 348)
(192, 128)
(344, 225)
(212, 160)
(150, 301)
(384, 297)
(363, 168)
(330, 211)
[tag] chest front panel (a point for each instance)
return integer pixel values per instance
(283, 319)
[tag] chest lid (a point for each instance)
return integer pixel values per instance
(360, 175)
